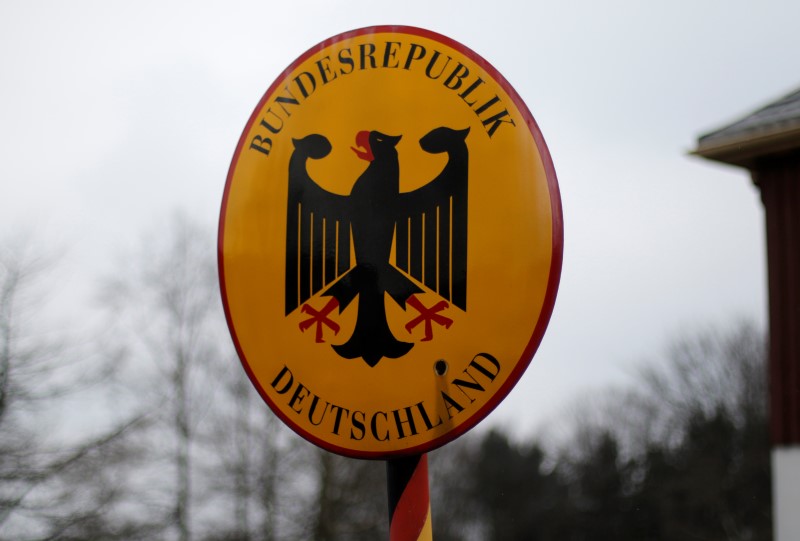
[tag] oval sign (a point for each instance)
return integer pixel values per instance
(390, 242)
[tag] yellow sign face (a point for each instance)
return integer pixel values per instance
(390, 242)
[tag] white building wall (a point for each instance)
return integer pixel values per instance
(786, 492)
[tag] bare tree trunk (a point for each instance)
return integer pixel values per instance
(324, 525)
(243, 473)
(268, 489)
(7, 290)
(183, 447)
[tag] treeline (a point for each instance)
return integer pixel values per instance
(683, 455)
(144, 426)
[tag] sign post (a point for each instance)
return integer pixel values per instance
(409, 499)
(390, 246)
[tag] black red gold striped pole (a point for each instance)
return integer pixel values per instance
(409, 499)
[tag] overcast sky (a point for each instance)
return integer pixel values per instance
(114, 114)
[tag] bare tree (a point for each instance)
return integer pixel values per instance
(709, 372)
(235, 472)
(44, 492)
(457, 512)
(350, 499)
(168, 317)
(255, 468)
(682, 452)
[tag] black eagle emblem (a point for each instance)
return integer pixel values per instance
(427, 227)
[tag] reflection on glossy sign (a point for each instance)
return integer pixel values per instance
(390, 242)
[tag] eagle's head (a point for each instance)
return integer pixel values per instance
(314, 146)
(372, 144)
(442, 139)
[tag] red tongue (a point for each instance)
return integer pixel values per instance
(362, 142)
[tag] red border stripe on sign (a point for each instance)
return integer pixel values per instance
(555, 264)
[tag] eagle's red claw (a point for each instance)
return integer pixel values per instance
(320, 318)
(428, 315)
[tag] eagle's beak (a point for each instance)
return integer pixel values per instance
(362, 148)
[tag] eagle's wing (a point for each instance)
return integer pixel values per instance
(431, 230)
(317, 227)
